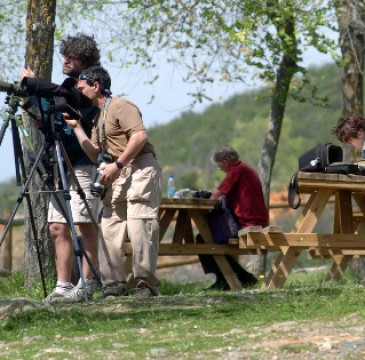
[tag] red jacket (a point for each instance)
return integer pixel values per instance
(243, 190)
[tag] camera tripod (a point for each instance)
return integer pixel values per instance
(52, 139)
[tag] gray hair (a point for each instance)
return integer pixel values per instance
(225, 152)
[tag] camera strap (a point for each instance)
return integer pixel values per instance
(103, 136)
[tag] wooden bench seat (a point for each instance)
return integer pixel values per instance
(201, 249)
(329, 253)
(302, 240)
(232, 248)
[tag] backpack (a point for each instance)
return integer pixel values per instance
(223, 223)
(326, 158)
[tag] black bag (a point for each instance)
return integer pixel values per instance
(223, 223)
(343, 168)
(317, 159)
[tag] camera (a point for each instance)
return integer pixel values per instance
(202, 194)
(67, 97)
(97, 188)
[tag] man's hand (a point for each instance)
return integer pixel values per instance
(72, 122)
(28, 72)
(110, 173)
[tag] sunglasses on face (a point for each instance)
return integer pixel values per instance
(84, 77)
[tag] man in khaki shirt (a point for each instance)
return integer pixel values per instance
(131, 203)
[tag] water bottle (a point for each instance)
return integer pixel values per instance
(171, 187)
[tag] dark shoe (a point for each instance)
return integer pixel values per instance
(219, 285)
(115, 290)
(248, 281)
(143, 290)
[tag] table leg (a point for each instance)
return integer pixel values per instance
(343, 224)
(338, 268)
(221, 260)
(227, 272)
(165, 220)
(182, 222)
(274, 269)
(306, 222)
(284, 268)
(347, 224)
(360, 200)
(313, 211)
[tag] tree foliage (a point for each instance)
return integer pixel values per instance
(219, 41)
(208, 41)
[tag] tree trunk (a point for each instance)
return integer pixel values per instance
(352, 41)
(40, 26)
(286, 71)
(285, 27)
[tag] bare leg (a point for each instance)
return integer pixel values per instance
(90, 243)
(64, 250)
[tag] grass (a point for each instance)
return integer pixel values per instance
(184, 322)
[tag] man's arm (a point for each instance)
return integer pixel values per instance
(90, 149)
(134, 146)
(216, 194)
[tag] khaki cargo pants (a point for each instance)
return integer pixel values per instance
(131, 212)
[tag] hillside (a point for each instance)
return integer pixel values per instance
(185, 145)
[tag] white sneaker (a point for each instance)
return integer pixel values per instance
(58, 294)
(77, 293)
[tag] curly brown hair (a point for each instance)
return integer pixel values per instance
(81, 46)
(348, 127)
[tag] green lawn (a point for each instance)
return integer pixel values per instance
(184, 322)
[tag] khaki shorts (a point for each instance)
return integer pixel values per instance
(85, 175)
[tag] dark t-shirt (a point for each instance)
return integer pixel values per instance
(243, 191)
(73, 149)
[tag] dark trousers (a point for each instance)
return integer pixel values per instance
(210, 266)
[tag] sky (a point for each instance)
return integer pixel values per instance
(171, 99)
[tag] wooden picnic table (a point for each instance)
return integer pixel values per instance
(187, 217)
(344, 242)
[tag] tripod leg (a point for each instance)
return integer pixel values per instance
(25, 194)
(82, 195)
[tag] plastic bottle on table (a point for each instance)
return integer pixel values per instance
(171, 189)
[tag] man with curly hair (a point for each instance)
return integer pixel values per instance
(79, 53)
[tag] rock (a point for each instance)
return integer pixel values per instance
(13, 306)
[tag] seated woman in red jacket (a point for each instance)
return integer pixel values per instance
(243, 193)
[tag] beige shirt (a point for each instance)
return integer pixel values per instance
(122, 119)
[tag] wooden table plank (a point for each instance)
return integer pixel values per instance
(200, 204)
(168, 249)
